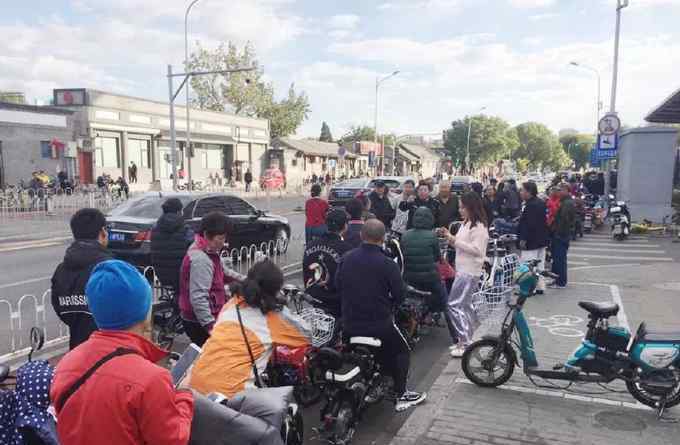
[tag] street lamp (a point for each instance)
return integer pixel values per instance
(172, 94)
(378, 81)
(619, 6)
(186, 67)
(467, 152)
(598, 105)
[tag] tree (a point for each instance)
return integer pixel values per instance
(326, 135)
(578, 148)
(359, 133)
(491, 140)
(537, 144)
(244, 93)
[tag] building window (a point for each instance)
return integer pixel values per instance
(107, 152)
(45, 149)
(139, 152)
(204, 159)
(213, 158)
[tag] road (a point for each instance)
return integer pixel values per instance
(641, 268)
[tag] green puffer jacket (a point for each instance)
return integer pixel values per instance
(421, 249)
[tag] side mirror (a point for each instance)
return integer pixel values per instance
(611, 197)
(37, 336)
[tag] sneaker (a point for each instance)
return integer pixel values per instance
(539, 292)
(409, 399)
(556, 286)
(457, 351)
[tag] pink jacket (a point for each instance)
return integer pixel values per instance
(470, 246)
(201, 286)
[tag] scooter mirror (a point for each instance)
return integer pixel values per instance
(611, 197)
(37, 341)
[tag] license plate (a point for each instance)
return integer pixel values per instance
(344, 194)
(119, 237)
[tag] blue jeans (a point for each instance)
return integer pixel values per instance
(560, 246)
(314, 232)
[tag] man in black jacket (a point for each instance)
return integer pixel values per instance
(533, 229)
(370, 286)
(70, 278)
(170, 239)
(380, 204)
(423, 199)
(321, 259)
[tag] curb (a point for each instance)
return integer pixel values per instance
(33, 244)
(417, 425)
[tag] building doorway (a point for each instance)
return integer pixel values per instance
(85, 167)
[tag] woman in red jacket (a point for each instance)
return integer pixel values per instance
(315, 213)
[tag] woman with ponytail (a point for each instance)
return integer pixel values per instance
(228, 364)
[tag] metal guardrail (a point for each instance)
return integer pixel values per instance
(29, 204)
(32, 310)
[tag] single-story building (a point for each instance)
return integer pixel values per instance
(34, 138)
(299, 159)
(421, 160)
(114, 131)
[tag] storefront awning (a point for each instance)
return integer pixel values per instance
(668, 112)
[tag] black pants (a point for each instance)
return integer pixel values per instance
(196, 333)
(394, 355)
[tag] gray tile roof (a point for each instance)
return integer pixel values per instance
(312, 147)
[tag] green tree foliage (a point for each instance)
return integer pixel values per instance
(537, 144)
(491, 139)
(522, 165)
(247, 93)
(326, 135)
(578, 147)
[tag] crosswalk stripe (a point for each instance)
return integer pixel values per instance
(617, 250)
(577, 263)
(626, 257)
(636, 245)
(602, 235)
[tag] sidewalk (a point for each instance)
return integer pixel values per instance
(458, 412)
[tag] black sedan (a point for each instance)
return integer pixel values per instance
(129, 225)
(343, 192)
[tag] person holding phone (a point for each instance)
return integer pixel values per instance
(109, 389)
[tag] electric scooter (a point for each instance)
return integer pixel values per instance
(648, 363)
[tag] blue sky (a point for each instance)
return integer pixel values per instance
(454, 56)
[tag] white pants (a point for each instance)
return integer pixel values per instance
(536, 254)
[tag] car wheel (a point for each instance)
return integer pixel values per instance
(281, 239)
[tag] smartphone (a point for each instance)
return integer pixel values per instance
(189, 356)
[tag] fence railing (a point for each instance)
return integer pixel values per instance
(16, 318)
(29, 204)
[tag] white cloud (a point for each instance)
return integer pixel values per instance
(344, 21)
(531, 3)
(541, 17)
(424, 6)
(532, 40)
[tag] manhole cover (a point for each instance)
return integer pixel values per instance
(621, 421)
(668, 286)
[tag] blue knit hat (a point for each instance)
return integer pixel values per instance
(118, 295)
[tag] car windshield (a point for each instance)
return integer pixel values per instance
(353, 183)
(144, 207)
(390, 183)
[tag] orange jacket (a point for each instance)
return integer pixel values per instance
(128, 401)
(225, 366)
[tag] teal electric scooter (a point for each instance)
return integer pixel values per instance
(649, 364)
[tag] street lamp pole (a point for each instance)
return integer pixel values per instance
(467, 151)
(172, 95)
(598, 105)
(619, 6)
(379, 81)
(187, 154)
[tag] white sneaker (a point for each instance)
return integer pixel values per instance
(457, 351)
(409, 399)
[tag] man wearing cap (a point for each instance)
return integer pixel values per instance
(109, 389)
(321, 260)
(170, 239)
(68, 282)
(380, 204)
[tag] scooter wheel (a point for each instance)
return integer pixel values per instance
(480, 366)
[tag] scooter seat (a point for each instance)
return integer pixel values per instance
(600, 310)
(4, 372)
(365, 341)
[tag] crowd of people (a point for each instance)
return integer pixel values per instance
(238, 319)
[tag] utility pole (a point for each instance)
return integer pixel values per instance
(615, 72)
(188, 151)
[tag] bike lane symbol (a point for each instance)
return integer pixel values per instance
(560, 325)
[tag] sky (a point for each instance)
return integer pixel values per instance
(453, 56)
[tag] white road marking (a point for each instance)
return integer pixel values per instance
(291, 273)
(627, 257)
(621, 316)
(32, 246)
(635, 245)
(604, 266)
(577, 263)
(288, 266)
(605, 249)
(564, 395)
(21, 283)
